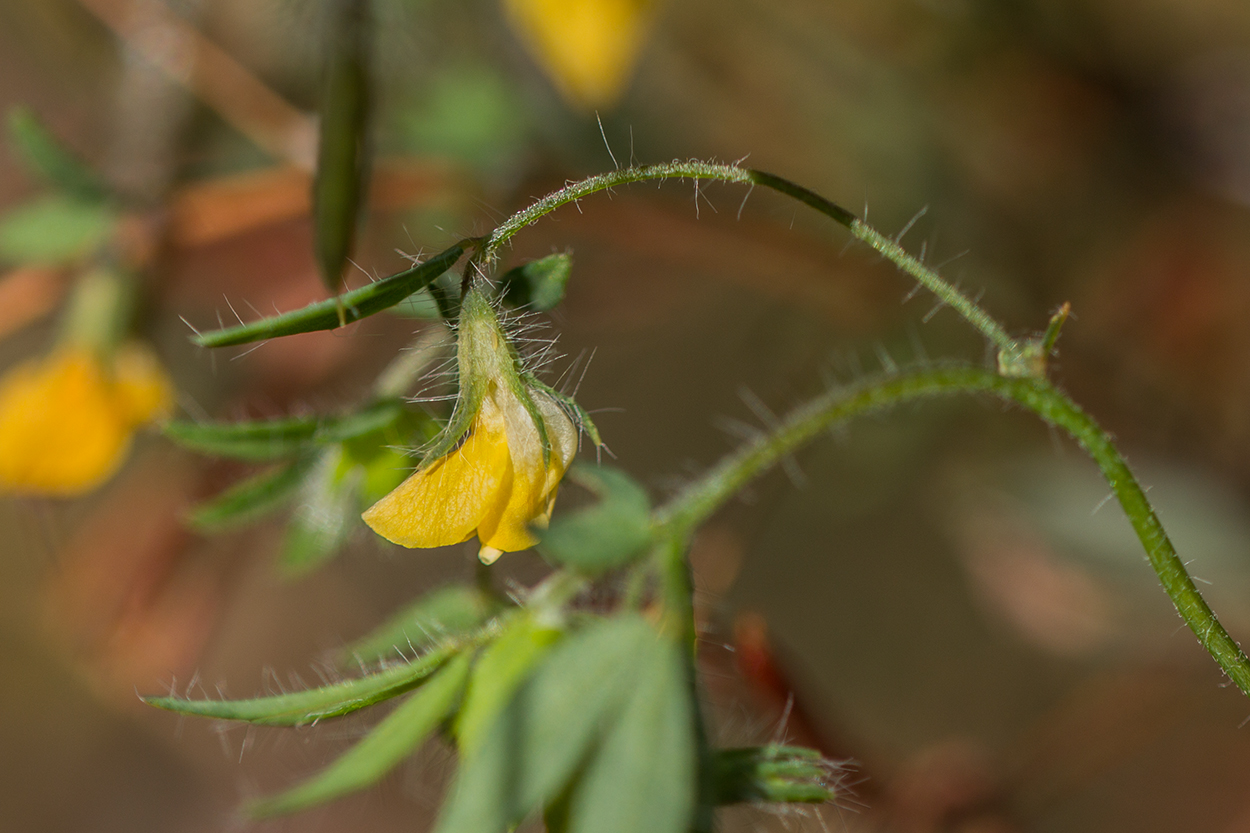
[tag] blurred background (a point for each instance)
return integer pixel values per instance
(942, 594)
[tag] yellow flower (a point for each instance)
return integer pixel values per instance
(588, 47)
(500, 480)
(495, 485)
(66, 420)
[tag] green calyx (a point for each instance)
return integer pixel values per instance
(486, 361)
(99, 311)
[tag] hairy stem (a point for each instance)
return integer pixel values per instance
(703, 498)
(601, 182)
(891, 250)
(694, 169)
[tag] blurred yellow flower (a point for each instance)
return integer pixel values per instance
(66, 420)
(587, 47)
(496, 481)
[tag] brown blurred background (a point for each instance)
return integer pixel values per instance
(944, 589)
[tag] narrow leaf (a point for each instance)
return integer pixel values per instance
(448, 611)
(271, 439)
(642, 777)
(536, 744)
(47, 158)
(392, 740)
(251, 498)
(604, 536)
(54, 230)
(325, 515)
(556, 813)
(377, 416)
(342, 157)
(502, 669)
(340, 310)
(265, 439)
(303, 707)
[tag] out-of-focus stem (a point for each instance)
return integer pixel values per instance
(212, 75)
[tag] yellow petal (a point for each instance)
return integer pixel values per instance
(445, 503)
(62, 430)
(587, 47)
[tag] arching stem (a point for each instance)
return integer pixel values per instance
(701, 499)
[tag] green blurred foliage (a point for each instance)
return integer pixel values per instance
(467, 113)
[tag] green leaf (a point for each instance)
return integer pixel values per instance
(607, 535)
(377, 416)
(537, 742)
(388, 456)
(642, 777)
(556, 813)
(340, 310)
(265, 439)
(47, 158)
(784, 774)
(271, 439)
(54, 230)
(342, 158)
(503, 667)
(392, 740)
(469, 113)
(251, 498)
(539, 284)
(448, 611)
(384, 471)
(303, 707)
(326, 514)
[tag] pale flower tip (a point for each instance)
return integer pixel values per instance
(489, 555)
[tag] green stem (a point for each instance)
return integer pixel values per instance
(676, 584)
(622, 176)
(890, 249)
(694, 169)
(703, 498)
(678, 589)
(932, 281)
